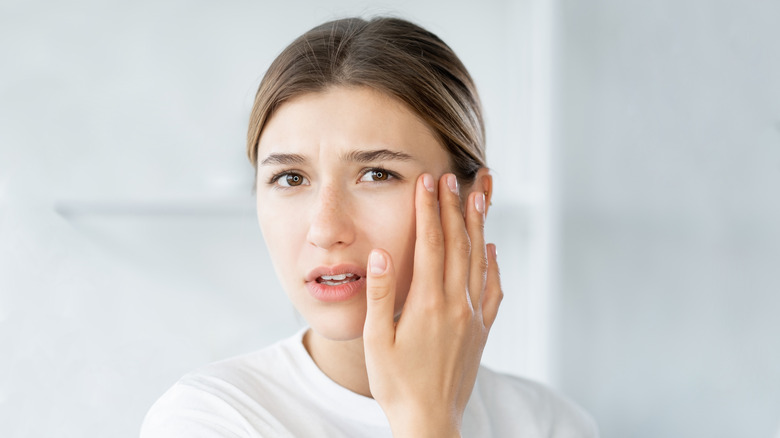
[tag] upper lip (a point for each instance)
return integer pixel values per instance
(343, 268)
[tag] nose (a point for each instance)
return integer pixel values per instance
(331, 223)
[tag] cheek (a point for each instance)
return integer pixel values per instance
(284, 230)
(389, 223)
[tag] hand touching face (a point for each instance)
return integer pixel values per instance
(422, 367)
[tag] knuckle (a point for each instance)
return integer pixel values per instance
(433, 238)
(431, 306)
(378, 292)
(454, 201)
(480, 226)
(496, 297)
(461, 312)
(463, 244)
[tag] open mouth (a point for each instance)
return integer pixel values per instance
(336, 280)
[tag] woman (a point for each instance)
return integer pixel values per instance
(372, 191)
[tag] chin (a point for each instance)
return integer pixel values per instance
(339, 325)
(338, 332)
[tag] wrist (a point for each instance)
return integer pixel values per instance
(424, 431)
(424, 424)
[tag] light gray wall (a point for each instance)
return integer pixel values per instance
(667, 136)
(129, 251)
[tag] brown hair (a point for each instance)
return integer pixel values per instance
(390, 55)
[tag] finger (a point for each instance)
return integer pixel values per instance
(478, 263)
(380, 299)
(493, 295)
(457, 246)
(429, 243)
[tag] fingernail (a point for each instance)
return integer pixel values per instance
(428, 182)
(479, 203)
(377, 263)
(452, 182)
(493, 252)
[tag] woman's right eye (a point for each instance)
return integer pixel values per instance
(289, 179)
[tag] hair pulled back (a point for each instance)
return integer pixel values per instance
(390, 55)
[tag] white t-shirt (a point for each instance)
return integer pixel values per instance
(280, 392)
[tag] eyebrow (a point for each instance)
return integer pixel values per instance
(376, 155)
(355, 156)
(284, 159)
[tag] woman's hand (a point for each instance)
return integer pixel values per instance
(422, 369)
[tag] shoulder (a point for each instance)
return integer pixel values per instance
(518, 405)
(229, 398)
(186, 409)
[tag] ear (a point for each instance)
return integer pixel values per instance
(484, 183)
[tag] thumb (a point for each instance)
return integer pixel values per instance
(380, 299)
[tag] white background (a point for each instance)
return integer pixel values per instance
(637, 157)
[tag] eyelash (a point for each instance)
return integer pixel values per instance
(273, 180)
(390, 176)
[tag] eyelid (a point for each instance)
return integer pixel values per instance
(391, 175)
(274, 179)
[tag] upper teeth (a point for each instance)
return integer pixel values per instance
(338, 277)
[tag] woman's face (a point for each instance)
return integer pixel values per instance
(336, 177)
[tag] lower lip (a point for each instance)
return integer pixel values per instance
(342, 292)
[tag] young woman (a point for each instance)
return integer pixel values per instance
(372, 191)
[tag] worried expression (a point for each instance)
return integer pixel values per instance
(336, 178)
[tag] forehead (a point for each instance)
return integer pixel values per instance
(348, 118)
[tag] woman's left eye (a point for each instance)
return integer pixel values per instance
(377, 175)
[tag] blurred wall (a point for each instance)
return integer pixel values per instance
(129, 251)
(667, 142)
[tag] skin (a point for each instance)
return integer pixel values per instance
(319, 205)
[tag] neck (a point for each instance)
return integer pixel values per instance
(344, 362)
